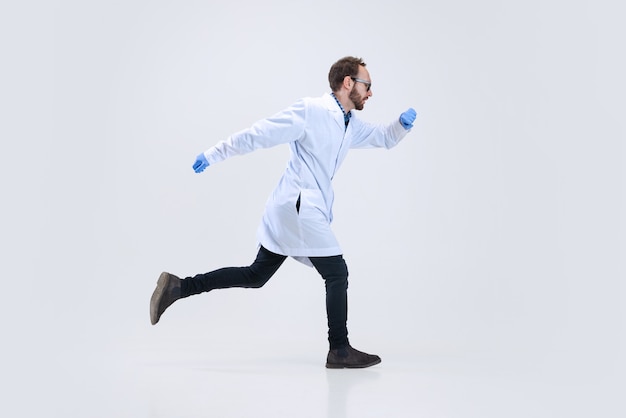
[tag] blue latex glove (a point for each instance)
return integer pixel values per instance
(407, 118)
(200, 164)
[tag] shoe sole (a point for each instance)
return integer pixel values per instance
(155, 300)
(351, 366)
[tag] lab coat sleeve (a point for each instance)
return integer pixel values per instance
(284, 127)
(367, 135)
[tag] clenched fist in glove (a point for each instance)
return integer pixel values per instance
(200, 164)
(407, 118)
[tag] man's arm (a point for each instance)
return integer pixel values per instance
(366, 135)
(284, 127)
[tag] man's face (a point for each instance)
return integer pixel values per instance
(360, 92)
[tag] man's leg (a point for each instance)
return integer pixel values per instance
(170, 288)
(334, 271)
(253, 276)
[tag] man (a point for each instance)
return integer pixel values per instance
(298, 214)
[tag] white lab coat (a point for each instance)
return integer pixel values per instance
(315, 130)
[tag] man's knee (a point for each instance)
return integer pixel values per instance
(333, 269)
(257, 279)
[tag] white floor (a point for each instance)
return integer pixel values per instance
(275, 385)
(160, 376)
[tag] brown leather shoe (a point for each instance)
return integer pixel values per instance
(166, 293)
(349, 358)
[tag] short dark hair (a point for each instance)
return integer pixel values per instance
(347, 66)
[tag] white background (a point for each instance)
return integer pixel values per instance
(487, 251)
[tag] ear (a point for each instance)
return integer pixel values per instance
(347, 82)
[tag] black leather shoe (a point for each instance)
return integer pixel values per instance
(166, 293)
(349, 358)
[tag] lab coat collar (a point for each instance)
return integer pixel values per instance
(331, 105)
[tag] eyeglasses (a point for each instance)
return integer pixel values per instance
(368, 84)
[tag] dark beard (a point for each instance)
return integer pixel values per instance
(356, 99)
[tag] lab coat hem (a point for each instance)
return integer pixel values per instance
(302, 252)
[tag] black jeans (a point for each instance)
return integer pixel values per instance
(332, 269)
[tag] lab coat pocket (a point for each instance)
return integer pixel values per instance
(298, 203)
(311, 204)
